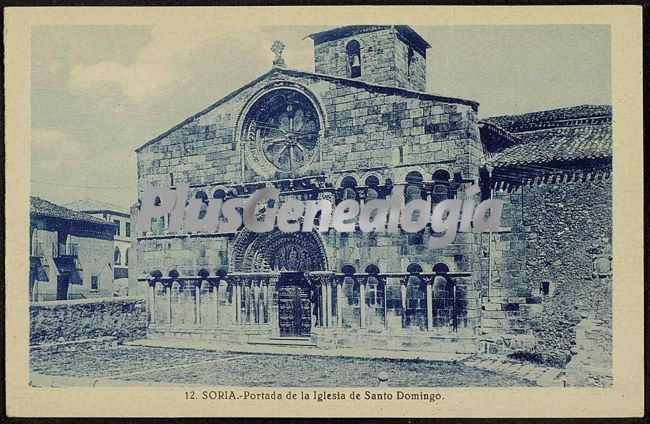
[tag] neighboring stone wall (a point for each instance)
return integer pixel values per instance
(124, 318)
(592, 365)
(557, 230)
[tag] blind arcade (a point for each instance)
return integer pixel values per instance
(263, 211)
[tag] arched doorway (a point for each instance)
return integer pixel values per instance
(292, 255)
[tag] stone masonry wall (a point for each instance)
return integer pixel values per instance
(557, 231)
(592, 364)
(363, 130)
(366, 133)
(120, 317)
(384, 60)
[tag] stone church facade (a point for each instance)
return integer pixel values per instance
(357, 127)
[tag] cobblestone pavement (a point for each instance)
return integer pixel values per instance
(196, 367)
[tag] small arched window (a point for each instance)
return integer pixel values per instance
(348, 269)
(414, 268)
(174, 274)
(372, 269)
(441, 180)
(414, 177)
(413, 186)
(203, 197)
(348, 185)
(545, 288)
(127, 252)
(372, 182)
(353, 49)
(441, 268)
(117, 256)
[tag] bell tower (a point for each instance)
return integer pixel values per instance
(392, 55)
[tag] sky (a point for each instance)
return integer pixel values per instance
(99, 92)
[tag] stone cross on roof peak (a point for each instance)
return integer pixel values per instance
(277, 47)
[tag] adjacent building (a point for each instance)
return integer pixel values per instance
(71, 253)
(357, 127)
(120, 216)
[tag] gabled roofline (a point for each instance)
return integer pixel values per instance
(108, 211)
(206, 110)
(411, 36)
(383, 89)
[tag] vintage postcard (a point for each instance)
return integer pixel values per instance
(324, 211)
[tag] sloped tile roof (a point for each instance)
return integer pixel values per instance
(558, 144)
(42, 207)
(517, 123)
(568, 134)
(92, 205)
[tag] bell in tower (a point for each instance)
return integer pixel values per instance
(354, 57)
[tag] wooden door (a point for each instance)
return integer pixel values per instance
(294, 306)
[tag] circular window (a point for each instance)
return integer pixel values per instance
(281, 132)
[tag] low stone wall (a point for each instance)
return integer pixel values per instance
(124, 318)
(332, 338)
(592, 364)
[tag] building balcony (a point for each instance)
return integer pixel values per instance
(36, 250)
(60, 250)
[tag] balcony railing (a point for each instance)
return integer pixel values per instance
(60, 249)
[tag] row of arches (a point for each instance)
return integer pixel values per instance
(372, 186)
(416, 302)
(369, 299)
(439, 185)
(347, 270)
(370, 181)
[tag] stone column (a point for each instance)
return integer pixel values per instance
(265, 301)
(328, 297)
(384, 283)
(402, 289)
(197, 302)
(247, 301)
(152, 301)
(362, 302)
(168, 289)
(215, 301)
(323, 303)
(455, 310)
(272, 308)
(339, 303)
(233, 300)
(237, 301)
(241, 298)
(429, 304)
(258, 301)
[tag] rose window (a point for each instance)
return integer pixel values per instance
(282, 132)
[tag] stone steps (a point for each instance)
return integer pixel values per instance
(285, 341)
(539, 374)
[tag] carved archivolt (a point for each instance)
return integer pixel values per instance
(278, 251)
